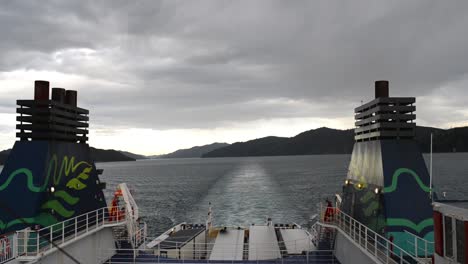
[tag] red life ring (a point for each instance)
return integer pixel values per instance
(115, 213)
(329, 212)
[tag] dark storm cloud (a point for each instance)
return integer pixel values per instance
(202, 64)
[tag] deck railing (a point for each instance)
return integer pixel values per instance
(7, 248)
(300, 250)
(419, 246)
(368, 240)
(31, 243)
(201, 255)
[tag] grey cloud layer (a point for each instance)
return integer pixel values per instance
(202, 64)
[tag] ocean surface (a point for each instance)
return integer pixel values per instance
(243, 191)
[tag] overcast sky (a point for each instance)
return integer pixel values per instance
(162, 75)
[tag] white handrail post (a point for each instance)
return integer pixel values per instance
(344, 223)
(63, 232)
(356, 230)
(359, 230)
(388, 252)
(425, 250)
(37, 241)
(341, 219)
(416, 246)
(337, 217)
(15, 243)
(375, 244)
(25, 235)
(97, 219)
(401, 256)
(365, 239)
(349, 224)
(26, 239)
(76, 226)
(87, 223)
(51, 236)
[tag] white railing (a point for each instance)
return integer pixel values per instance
(315, 233)
(202, 255)
(7, 248)
(419, 246)
(30, 243)
(297, 245)
(368, 240)
(139, 237)
(132, 213)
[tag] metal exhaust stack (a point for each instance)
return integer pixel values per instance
(41, 90)
(381, 89)
(71, 98)
(58, 95)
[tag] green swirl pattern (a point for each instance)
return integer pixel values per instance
(397, 174)
(43, 219)
(410, 224)
(58, 208)
(67, 168)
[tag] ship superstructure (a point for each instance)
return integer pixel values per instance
(387, 186)
(53, 209)
(52, 206)
(49, 175)
(451, 231)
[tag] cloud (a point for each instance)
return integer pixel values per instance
(168, 65)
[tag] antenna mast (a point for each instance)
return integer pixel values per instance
(430, 174)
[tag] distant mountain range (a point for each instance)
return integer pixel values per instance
(194, 152)
(106, 155)
(316, 141)
(332, 141)
(133, 155)
(99, 155)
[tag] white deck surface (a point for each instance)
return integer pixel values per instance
(296, 240)
(263, 243)
(228, 245)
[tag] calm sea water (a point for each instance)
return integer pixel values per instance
(248, 190)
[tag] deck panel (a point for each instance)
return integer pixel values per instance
(296, 240)
(263, 243)
(229, 245)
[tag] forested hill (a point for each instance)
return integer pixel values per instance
(99, 155)
(194, 152)
(333, 141)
